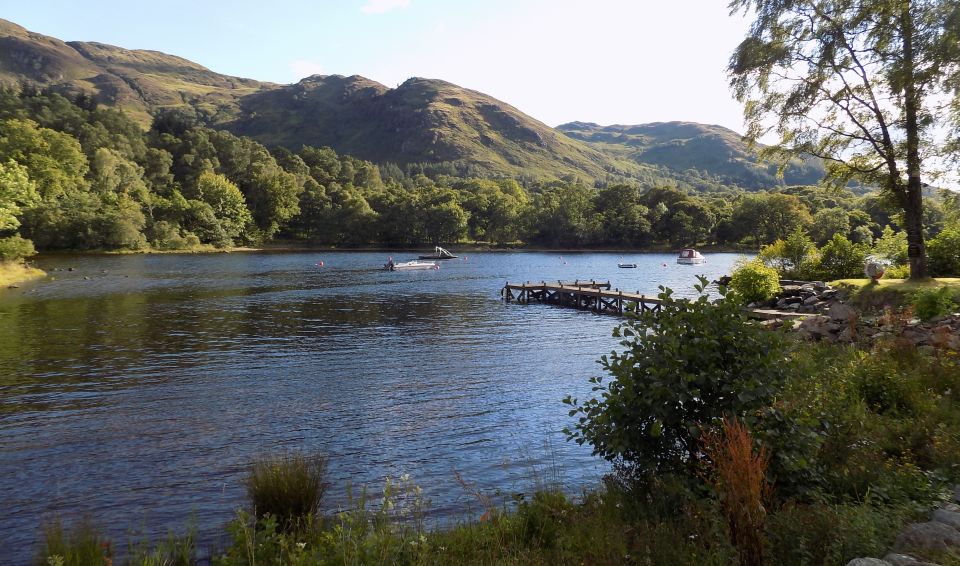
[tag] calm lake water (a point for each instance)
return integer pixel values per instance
(136, 389)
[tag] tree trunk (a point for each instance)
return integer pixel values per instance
(913, 203)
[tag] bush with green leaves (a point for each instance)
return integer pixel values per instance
(840, 258)
(288, 488)
(943, 253)
(931, 303)
(15, 248)
(682, 369)
(754, 281)
(892, 246)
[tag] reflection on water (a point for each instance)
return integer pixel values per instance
(135, 389)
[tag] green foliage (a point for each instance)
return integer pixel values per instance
(174, 551)
(944, 253)
(821, 533)
(14, 248)
(288, 488)
(81, 545)
(892, 246)
(16, 191)
(792, 257)
(767, 217)
(931, 303)
(852, 425)
(829, 222)
(754, 281)
(897, 272)
(840, 258)
(682, 369)
(781, 74)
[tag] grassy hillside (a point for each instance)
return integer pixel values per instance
(422, 121)
(709, 152)
(138, 81)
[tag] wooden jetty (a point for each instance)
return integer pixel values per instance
(592, 295)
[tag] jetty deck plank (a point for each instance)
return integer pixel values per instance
(598, 296)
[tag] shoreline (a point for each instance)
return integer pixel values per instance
(13, 274)
(292, 247)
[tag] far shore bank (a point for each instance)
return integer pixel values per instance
(297, 247)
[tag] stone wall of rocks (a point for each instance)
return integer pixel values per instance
(922, 544)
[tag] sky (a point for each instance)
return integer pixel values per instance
(603, 61)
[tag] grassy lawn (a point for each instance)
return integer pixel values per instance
(903, 285)
(15, 273)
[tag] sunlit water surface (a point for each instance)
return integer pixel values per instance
(135, 390)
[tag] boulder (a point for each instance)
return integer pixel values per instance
(951, 518)
(848, 334)
(840, 311)
(868, 562)
(927, 540)
(815, 326)
(810, 300)
(905, 560)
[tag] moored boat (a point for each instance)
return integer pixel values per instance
(690, 256)
(439, 253)
(409, 265)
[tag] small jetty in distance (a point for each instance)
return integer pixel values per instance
(592, 295)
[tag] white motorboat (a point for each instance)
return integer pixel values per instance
(690, 256)
(409, 265)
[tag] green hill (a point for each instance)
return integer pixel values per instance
(422, 121)
(692, 151)
(140, 82)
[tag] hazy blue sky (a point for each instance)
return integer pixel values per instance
(605, 61)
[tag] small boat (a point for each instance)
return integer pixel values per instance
(439, 253)
(690, 256)
(409, 265)
(627, 265)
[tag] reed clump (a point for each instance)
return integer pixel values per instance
(81, 545)
(739, 476)
(290, 487)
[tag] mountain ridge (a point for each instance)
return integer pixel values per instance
(430, 123)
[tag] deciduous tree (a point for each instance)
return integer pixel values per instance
(858, 83)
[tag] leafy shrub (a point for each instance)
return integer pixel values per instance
(840, 258)
(681, 371)
(14, 248)
(892, 246)
(851, 424)
(943, 253)
(289, 488)
(754, 281)
(897, 272)
(82, 545)
(931, 303)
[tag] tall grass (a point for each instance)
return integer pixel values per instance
(290, 488)
(81, 545)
